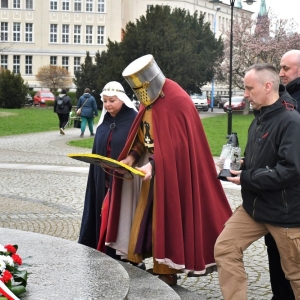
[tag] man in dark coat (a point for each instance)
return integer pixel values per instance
(290, 77)
(270, 182)
(63, 106)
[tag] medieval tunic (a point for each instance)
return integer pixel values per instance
(189, 207)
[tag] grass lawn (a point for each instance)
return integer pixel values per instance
(36, 119)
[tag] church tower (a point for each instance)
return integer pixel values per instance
(263, 22)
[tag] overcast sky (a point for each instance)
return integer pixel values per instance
(285, 9)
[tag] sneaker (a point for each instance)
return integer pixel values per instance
(62, 131)
(92, 134)
(81, 135)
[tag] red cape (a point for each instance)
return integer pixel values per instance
(191, 206)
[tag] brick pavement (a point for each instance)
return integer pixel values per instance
(42, 190)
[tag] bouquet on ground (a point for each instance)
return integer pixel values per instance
(13, 280)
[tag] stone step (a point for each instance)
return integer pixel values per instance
(144, 286)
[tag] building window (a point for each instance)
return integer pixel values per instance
(29, 4)
(89, 35)
(28, 32)
(28, 64)
(77, 5)
(65, 34)
(4, 61)
(77, 34)
(53, 33)
(149, 7)
(53, 5)
(101, 6)
(76, 64)
(66, 5)
(4, 31)
(89, 5)
(17, 4)
(16, 32)
(100, 35)
(65, 62)
(16, 64)
(4, 3)
(53, 60)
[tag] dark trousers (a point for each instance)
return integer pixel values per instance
(281, 287)
(63, 120)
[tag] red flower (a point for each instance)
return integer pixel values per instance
(10, 248)
(17, 259)
(6, 276)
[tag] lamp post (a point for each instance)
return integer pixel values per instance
(229, 109)
(213, 79)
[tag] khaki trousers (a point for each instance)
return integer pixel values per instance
(239, 233)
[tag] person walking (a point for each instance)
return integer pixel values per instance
(63, 107)
(181, 206)
(88, 107)
(109, 141)
(290, 78)
(270, 186)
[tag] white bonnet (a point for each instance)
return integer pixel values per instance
(114, 88)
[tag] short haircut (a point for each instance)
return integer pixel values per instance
(265, 73)
(87, 90)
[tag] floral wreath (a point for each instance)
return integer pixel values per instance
(12, 280)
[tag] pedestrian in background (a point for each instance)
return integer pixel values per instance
(290, 77)
(270, 182)
(63, 107)
(88, 106)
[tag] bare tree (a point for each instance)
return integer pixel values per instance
(54, 77)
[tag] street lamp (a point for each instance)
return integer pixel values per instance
(213, 79)
(229, 109)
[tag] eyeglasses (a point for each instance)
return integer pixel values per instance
(126, 175)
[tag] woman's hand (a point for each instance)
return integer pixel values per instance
(129, 160)
(147, 169)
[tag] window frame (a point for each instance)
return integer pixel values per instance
(101, 6)
(65, 33)
(77, 63)
(77, 34)
(88, 34)
(4, 61)
(4, 33)
(53, 34)
(16, 31)
(65, 62)
(28, 64)
(16, 64)
(77, 5)
(100, 35)
(28, 33)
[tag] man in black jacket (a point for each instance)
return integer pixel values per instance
(290, 74)
(63, 106)
(270, 185)
(290, 77)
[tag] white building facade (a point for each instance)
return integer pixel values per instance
(35, 33)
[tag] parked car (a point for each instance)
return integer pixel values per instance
(200, 101)
(237, 103)
(29, 100)
(41, 97)
(221, 100)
